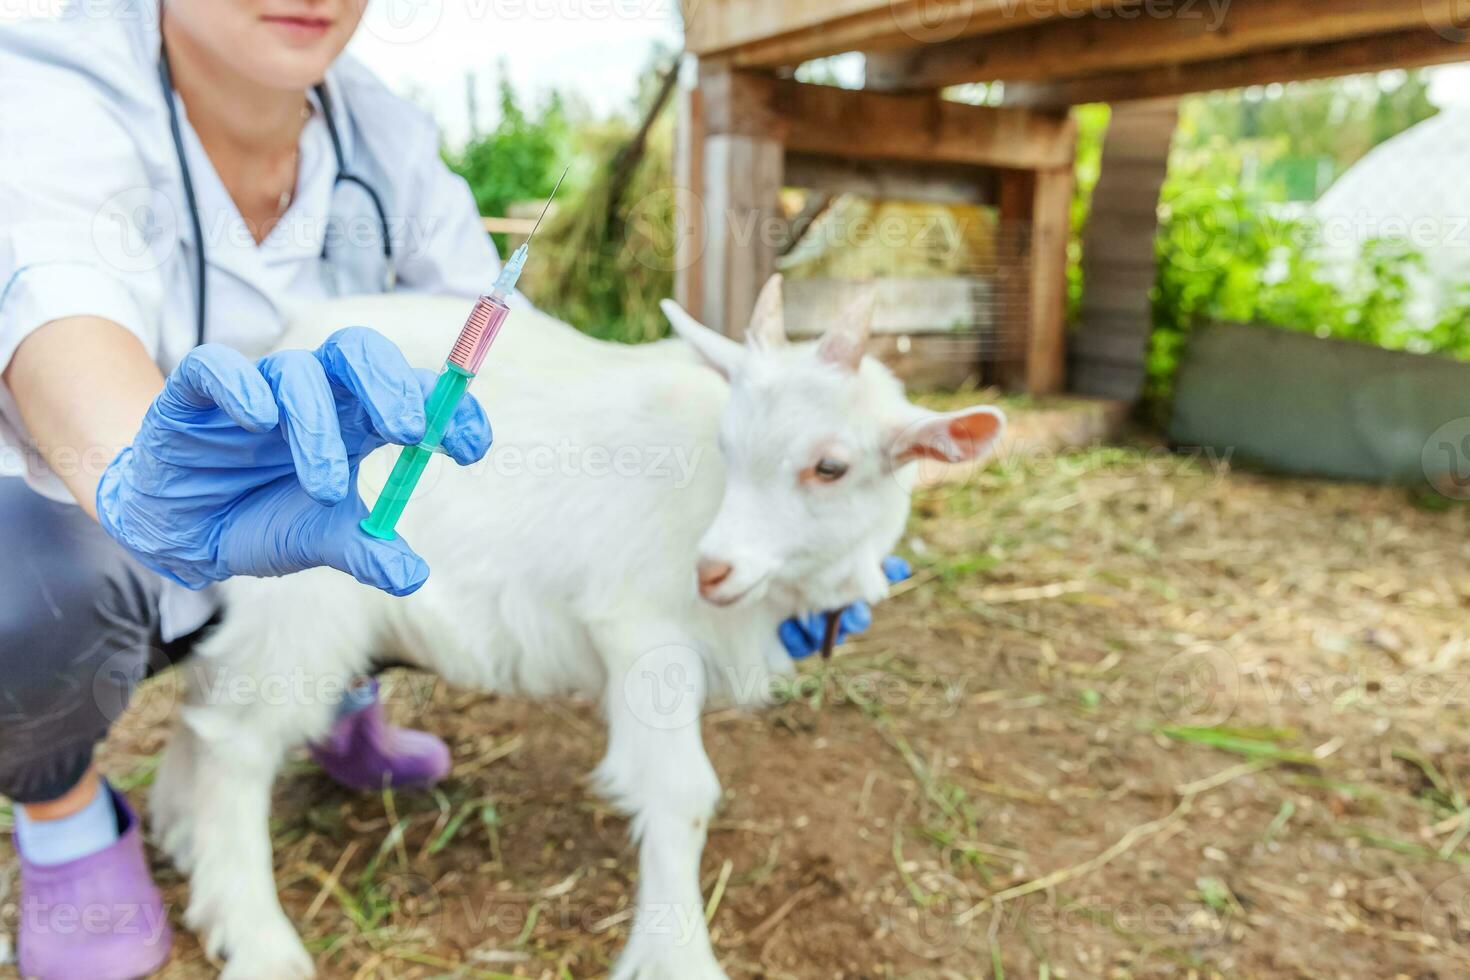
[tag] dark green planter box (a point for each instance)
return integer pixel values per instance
(1296, 404)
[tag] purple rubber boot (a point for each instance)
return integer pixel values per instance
(364, 752)
(99, 917)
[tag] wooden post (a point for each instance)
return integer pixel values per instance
(742, 182)
(743, 169)
(1110, 349)
(1035, 224)
(689, 213)
(1017, 196)
(1046, 353)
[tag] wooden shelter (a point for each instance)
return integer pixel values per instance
(748, 129)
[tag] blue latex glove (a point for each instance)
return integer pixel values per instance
(802, 635)
(251, 469)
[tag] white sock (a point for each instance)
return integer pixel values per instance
(49, 842)
(360, 695)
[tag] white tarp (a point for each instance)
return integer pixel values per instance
(1414, 188)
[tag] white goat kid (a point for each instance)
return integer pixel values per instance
(566, 563)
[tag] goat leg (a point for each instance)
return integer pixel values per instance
(656, 770)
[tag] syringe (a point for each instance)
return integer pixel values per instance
(464, 361)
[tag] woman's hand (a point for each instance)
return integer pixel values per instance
(251, 469)
(803, 636)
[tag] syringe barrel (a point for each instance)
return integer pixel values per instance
(438, 412)
(479, 332)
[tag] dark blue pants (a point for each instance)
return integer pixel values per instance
(79, 630)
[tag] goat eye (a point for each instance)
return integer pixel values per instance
(830, 470)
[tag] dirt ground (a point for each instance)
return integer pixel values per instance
(1136, 716)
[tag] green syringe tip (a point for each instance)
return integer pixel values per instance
(370, 527)
(392, 501)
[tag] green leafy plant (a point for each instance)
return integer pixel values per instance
(518, 160)
(600, 264)
(1231, 245)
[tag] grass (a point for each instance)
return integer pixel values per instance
(1252, 743)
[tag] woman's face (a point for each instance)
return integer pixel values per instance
(285, 44)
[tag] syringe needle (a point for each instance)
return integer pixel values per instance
(547, 206)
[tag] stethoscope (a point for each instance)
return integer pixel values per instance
(166, 80)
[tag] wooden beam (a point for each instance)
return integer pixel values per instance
(777, 33)
(714, 26)
(829, 121)
(1406, 49)
(904, 25)
(509, 226)
(939, 183)
(1141, 37)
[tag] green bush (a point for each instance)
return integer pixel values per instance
(1231, 247)
(1225, 255)
(519, 160)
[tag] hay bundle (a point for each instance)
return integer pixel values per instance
(606, 255)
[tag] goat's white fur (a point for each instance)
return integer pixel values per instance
(559, 578)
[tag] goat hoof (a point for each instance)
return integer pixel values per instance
(268, 950)
(644, 960)
(176, 839)
(273, 963)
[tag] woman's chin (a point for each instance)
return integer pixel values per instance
(289, 56)
(292, 69)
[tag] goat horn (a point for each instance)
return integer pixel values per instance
(846, 342)
(768, 321)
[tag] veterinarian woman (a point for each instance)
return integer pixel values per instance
(170, 179)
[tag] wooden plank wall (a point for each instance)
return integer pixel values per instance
(740, 130)
(1108, 349)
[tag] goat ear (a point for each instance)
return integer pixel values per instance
(845, 343)
(717, 350)
(768, 322)
(953, 437)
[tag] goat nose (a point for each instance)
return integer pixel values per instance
(712, 573)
